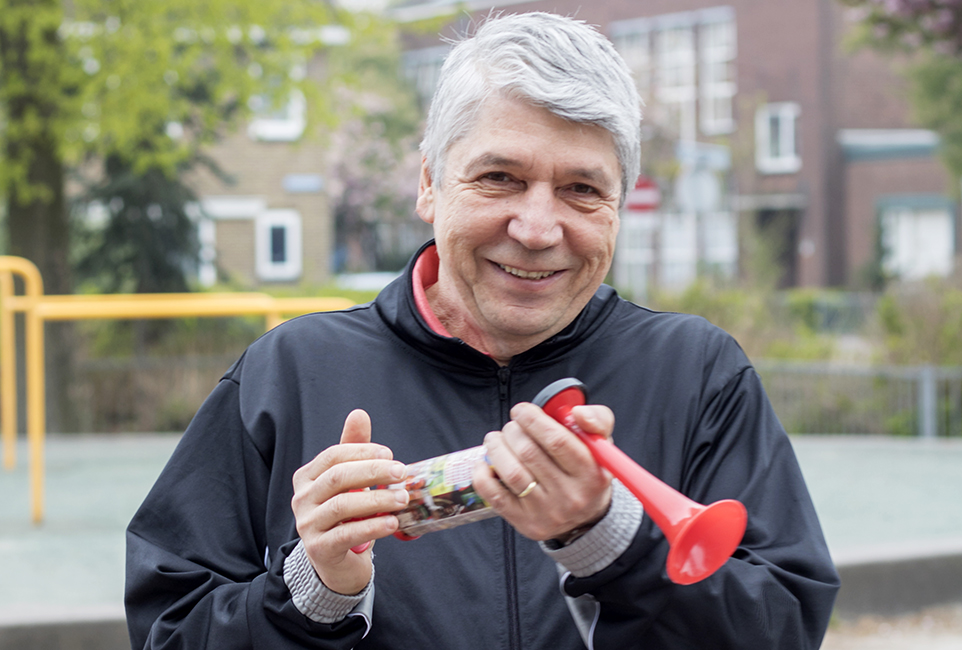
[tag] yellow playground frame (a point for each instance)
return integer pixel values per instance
(38, 309)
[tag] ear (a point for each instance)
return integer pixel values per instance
(425, 203)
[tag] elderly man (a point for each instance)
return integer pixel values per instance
(256, 533)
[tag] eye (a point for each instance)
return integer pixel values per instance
(583, 188)
(497, 177)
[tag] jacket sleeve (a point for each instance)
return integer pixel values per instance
(199, 570)
(778, 589)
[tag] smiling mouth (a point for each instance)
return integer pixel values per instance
(526, 275)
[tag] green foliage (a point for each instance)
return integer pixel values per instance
(373, 161)
(936, 83)
(38, 92)
(107, 77)
(922, 323)
(928, 36)
(148, 242)
(768, 325)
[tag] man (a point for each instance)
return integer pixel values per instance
(256, 533)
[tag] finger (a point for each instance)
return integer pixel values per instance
(338, 454)
(357, 427)
(514, 461)
(563, 450)
(349, 507)
(594, 418)
(489, 485)
(343, 478)
(352, 534)
(357, 432)
(329, 549)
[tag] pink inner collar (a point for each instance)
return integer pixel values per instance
(426, 275)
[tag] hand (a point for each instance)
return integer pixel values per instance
(570, 489)
(334, 511)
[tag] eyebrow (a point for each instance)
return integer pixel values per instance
(497, 160)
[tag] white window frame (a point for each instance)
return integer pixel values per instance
(675, 75)
(634, 45)
(718, 49)
(284, 125)
(787, 159)
(207, 256)
(265, 267)
(907, 252)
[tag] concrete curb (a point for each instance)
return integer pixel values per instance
(895, 579)
(95, 634)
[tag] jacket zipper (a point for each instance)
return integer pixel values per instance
(508, 538)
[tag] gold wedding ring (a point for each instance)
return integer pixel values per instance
(525, 492)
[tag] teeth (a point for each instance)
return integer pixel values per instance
(527, 275)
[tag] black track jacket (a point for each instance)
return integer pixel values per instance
(206, 550)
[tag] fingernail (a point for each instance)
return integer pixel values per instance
(385, 454)
(398, 471)
(401, 496)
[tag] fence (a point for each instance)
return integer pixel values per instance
(160, 394)
(922, 401)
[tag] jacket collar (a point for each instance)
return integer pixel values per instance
(398, 309)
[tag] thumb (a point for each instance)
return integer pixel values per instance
(594, 418)
(357, 427)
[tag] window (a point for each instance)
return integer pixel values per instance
(917, 241)
(717, 47)
(207, 238)
(277, 245)
(635, 48)
(675, 78)
(680, 59)
(636, 254)
(285, 124)
(423, 67)
(776, 150)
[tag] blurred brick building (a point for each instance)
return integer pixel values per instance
(756, 115)
(270, 221)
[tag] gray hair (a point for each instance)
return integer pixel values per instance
(550, 61)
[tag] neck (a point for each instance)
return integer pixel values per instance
(456, 325)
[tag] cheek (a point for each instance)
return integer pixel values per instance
(596, 242)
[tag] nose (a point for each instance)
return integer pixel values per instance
(537, 221)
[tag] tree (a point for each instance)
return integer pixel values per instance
(143, 85)
(373, 159)
(929, 32)
(115, 79)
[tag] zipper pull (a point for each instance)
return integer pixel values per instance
(503, 375)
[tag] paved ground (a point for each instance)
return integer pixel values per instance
(876, 498)
(937, 628)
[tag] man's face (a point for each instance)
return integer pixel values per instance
(525, 218)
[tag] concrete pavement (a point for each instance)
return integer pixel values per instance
(891, 510)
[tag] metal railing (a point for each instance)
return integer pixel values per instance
(38, 309)
(923, 401)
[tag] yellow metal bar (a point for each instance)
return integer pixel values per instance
(159, 307)
(36, 424)
(8, 372)
(36, 412)
(39, 308)
(303, 305)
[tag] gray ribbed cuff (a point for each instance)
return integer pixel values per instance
(311, 597)
(606, 540)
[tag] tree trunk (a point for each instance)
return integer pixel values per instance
(37, 219)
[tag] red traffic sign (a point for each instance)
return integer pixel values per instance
(645, 197)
